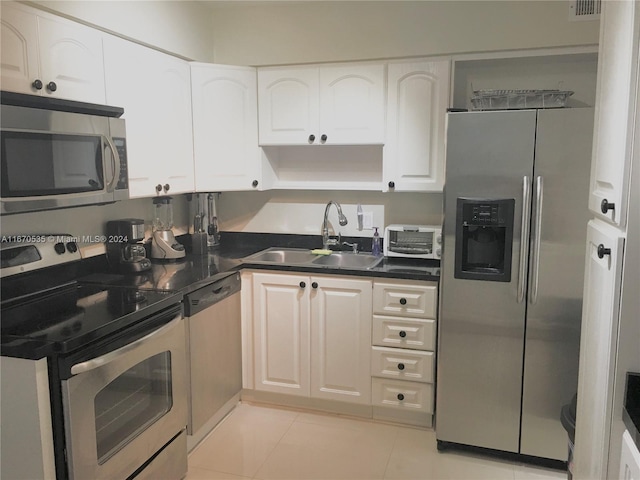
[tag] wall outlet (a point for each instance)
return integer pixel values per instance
(367, 220)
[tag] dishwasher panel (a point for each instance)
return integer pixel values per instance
(215, 351)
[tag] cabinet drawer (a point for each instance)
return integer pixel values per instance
(402, 395)
(414, 333)
(405, 299)
(402, 364)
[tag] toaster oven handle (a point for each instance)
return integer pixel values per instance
(98, 362)
(115, 163)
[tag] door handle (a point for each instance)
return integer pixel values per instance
(115, 163)
(524, 236)
(535, 260)
(111, 356)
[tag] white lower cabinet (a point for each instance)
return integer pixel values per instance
(403, 351)
(311, 336)
(629, 458)
(326, 341)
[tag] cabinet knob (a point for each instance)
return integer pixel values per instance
(392, 184)
(400, 397)
(37, 84)
(254, 183)
(605, 206)
(323, 138)
(302, 284)
(166, 187)
(52, 87)
(312, 138)
(401, 366)
(158, 188)
(603, 251)
(402, 333)
(403, 301)
(314, 285)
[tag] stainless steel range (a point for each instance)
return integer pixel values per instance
(93, 376)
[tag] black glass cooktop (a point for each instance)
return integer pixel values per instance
(70, 316)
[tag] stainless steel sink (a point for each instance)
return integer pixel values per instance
(300, 256)
(294, 256)
(348, 260)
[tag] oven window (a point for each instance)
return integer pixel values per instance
(131, 403)
(36, 164)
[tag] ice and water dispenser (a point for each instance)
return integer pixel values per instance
(484, 239)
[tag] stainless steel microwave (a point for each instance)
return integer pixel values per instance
(56, 159)
(413, 241)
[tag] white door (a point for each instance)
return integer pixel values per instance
(352, 105)
(617, 89)
(281, 333)
(414, 156)
(598, 341)
(225, 128)
(154, 90)
(288, 106)
(71, 60)
(341, 339)
(19, 66)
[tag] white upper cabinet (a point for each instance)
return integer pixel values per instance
(614, 126)
(155, 91)
(225, 128)
(414, 153)
(46, 55)
(327, 105)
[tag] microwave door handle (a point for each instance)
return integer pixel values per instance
(537, 239)
(111, 356)
(115, 163)
(524, 236)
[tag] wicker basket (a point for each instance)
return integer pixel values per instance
(518, 99)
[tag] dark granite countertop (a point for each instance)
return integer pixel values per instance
(196, 271)
(631, 411)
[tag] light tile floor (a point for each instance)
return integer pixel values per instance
(265, 443)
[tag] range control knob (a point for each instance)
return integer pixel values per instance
(439, 239)
(59, 248)
(438, 252)
(72, 247)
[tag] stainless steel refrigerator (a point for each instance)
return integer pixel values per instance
(514, 232)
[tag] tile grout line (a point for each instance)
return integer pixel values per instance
(276, 444)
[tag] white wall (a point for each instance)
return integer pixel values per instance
(302, 212)
(91, 221)
(269, 33)
(182, 28)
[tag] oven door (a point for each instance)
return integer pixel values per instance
(124, 406)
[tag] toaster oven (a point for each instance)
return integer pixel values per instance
(413, 241)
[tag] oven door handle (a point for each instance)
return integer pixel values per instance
(111, 356)
(115, 163)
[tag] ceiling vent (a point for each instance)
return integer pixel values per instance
(584, 9)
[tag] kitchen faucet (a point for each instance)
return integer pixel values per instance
(326, 241)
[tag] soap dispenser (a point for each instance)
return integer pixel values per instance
(375, 243)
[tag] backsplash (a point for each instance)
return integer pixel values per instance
(302, 212)
(276, 211)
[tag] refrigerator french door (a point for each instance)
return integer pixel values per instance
(515, 203)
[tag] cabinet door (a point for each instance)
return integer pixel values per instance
(155, 91)
(71, 57)
(414, 156)
(629, 458)
(19, 43)
(281, 333)
(225, 128)
(616, 92)
(352, 105)
(597, 349)
(341, 339)
(288, 106)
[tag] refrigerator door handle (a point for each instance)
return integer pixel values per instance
(537, 239)
(524, 235)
